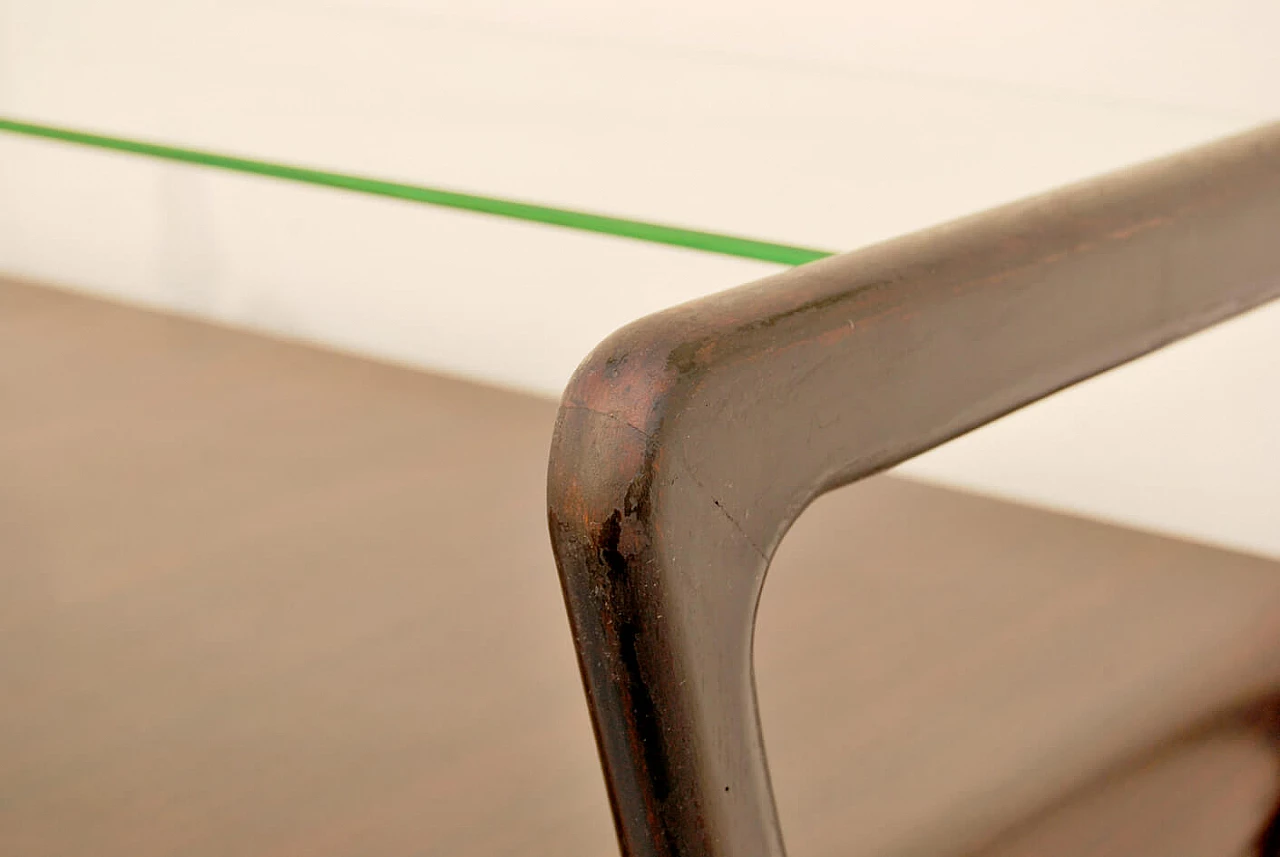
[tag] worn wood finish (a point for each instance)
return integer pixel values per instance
(689, 442)
(259, 599)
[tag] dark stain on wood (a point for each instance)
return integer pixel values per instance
(741, 408)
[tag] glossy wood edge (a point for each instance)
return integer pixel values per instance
(689, 441)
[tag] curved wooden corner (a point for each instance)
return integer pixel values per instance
(687, 443)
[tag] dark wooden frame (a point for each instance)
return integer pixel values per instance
(688, 442)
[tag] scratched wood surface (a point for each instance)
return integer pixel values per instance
(261, 599)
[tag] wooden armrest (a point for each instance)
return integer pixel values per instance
(690, 441)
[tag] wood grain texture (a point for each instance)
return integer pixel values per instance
(260, 599)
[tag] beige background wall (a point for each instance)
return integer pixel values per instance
(825, 123)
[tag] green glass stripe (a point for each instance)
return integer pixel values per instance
(656, 233)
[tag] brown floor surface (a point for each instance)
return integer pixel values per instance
(262, 599)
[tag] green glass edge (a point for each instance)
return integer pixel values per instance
(654, 233)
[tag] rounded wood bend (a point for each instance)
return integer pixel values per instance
(688, 442)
